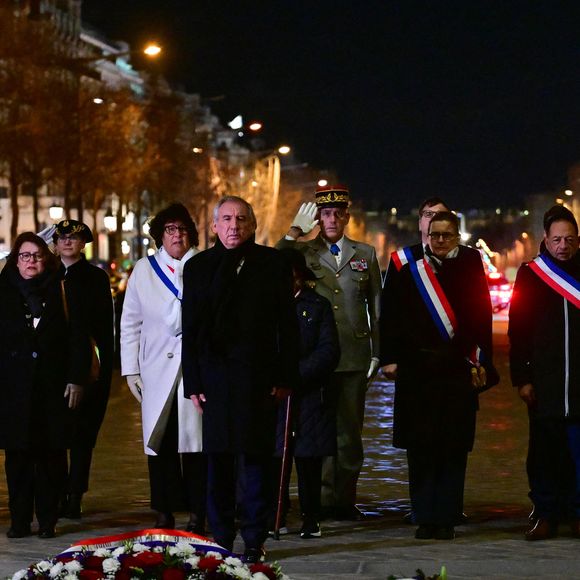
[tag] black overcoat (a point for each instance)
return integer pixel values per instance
(35, 366)
(544, 331)
(435, 403)
(236, 372)
(314, 415)
(89, 287)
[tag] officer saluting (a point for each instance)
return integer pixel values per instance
(347, 274)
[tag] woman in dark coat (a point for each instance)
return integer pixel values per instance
(314, 418)
(43, 361)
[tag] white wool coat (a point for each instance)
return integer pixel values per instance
(151, 347)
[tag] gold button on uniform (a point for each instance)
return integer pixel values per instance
(335, 307)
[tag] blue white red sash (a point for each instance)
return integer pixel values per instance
(560, 281)
(163, 276)
(399, 258)
(433, 296)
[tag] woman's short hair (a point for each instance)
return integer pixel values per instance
(559, 213)
(173, 212)
(50, 261)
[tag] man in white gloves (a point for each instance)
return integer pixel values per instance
(347, 274)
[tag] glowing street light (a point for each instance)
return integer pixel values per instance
(322, 183)
(284, 150)
(152, 49)
(255, 126)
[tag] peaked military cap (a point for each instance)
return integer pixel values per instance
(71, 227)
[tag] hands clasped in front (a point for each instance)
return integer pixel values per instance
(279, 393)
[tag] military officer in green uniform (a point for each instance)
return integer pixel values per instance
(347, 274)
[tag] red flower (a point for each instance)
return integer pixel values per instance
(209, 563)
(173, 574)
(130, 561)
(91, 575)
(265, 569)
(94, 563)
(148, 559)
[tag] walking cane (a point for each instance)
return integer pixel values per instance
(286, 465)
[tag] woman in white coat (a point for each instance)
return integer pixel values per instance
(151, 363)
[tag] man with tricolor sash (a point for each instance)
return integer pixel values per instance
(544, 331)
(437, 344)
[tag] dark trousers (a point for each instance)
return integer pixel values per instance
(177, 480)
(340, 472)
(309, 472)
(250, 475)
(88, 419)
(436, 484)
(553, 467)
(35, 479)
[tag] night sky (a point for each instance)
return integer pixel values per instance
(476, 101)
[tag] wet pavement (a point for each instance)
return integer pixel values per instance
(491, 545)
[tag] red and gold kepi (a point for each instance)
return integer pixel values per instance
(332, 196)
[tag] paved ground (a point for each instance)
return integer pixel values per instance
(490, 546)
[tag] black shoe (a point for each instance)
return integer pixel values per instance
(164, 520)
(349, 513)
(462, 519)
(195, 525)
(310, 529)
(254, 555)
(73, 508)
(46, 532)
(18, 532)
(425, 532)
(445, 533)
(409, 518)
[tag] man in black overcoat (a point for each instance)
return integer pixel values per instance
(88, 287)
(438, 376)
(240, 354)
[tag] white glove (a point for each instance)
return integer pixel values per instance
(306, 217)
(74, 394)
(373, 367)
(135, 385)
(47, 233)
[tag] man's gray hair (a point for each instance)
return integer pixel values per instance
(235, 199)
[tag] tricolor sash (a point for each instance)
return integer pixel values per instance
(558, 280)
(163, 277)
(433, 296)
(399, 258)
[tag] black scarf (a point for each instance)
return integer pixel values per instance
(33, 290)
(220, 319)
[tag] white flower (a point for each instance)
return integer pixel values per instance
(118, 551)
(43, 566)
(231, 561)
(102, 552)
(158, 549)
(111, 565)
(73, 566)
(216, 555)
(138, 548)
(239, 572)
(56, 569)
(181, 549)
(259, 576)
(193, 561)
(70, 576)
(19, 575)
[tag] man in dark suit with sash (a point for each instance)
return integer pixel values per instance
(544, 331)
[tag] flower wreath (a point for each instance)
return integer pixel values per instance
(148, 554)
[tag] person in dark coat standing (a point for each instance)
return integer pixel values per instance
(240, 353)
(439, 352)
(544, 332)
(89, 287)
(313, 414)
(44, 359)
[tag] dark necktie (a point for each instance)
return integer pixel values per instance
(334, 249)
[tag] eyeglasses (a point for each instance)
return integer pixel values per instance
(27, 256)
(171, 229)
(428, 213)
(71, 238)
(446, 236)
